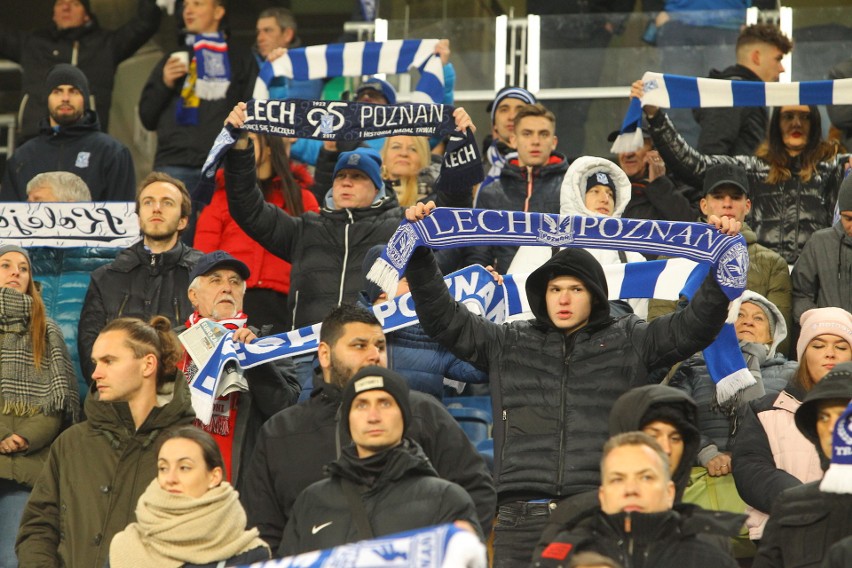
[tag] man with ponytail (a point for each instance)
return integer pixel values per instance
(96, 470)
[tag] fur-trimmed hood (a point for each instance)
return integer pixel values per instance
(573, 193)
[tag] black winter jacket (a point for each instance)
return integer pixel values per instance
(406, 494)
(784, 215)
(664, 198)
(296, 443)
(733, 131)
(104, 163)
(645, 540)
(96, 51)
(179, 145)
(822, 276)
(804, 523)
(326, 249)
(552, 393)
(519, 189)
(136, 284)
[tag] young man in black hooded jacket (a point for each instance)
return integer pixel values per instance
(555, 378)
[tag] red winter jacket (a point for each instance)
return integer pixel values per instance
(216, 230)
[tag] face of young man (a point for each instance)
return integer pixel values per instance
(202, 16)
(504, 120)
(69, 14)
(160, 212)
(601, 200)
(352, 189)
(270, 36)
(219, 294)
(535, 139)
(569, 303)
(65, 105)
(766, 62)
(360, 345)
(119, 375)
(726, 201)
(375, 422)
(669, 439)
(633, 479)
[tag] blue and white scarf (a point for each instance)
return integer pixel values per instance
(726, 256)
(676, 91)
(838, 477)
(355, 59)
(442, 546)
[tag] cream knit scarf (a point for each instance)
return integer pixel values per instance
(173, 530)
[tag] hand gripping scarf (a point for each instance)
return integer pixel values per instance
(676, 91)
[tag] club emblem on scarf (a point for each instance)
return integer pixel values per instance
(733, 267)
(650, 85)
(556, 233)
(327, 120)
(401, 244)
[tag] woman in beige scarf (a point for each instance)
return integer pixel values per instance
(188, 516)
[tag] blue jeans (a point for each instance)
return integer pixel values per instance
(13, 499)
(516, 533)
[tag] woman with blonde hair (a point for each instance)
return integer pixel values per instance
(188, 516)
(407, 168)
(38, 390)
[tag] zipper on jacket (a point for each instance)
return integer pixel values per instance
(75, 52)
(563, 395)
(505, 434)
(345, 256)
(529, 188)
(177, 311)
(295, 307)
(123, 303)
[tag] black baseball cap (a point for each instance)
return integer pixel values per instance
(217, 259)
(725, 174)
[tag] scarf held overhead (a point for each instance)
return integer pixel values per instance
(355, 59)
(677, 91)
(337, 120)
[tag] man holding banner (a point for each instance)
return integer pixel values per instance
(555, 378)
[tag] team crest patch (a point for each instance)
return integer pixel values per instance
(82, 160)
(602, 178)
(353, 160)
(556, 231)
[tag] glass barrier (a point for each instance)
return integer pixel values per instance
(821, 40)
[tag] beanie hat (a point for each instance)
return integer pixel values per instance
(675, 413)
(371, 289)
(836, 384)
(15, 248)
(373, 377)
(509, 93)
(67, 74)
(380, 86)
(844, 198)
(823, 321)
(600, 178)
(366, 160)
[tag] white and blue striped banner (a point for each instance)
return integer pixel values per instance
(442, 546)
(677, 91)
(355, 59)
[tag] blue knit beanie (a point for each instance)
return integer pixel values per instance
(366, 160)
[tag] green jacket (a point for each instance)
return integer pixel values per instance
(768, 275)
(94, 475)
(39, 430)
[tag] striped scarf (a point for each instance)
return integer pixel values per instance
(355, 59)
(676, 91)
(208, 79)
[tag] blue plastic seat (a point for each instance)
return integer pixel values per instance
(475, 423)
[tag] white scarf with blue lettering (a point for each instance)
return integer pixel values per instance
(676, 91)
